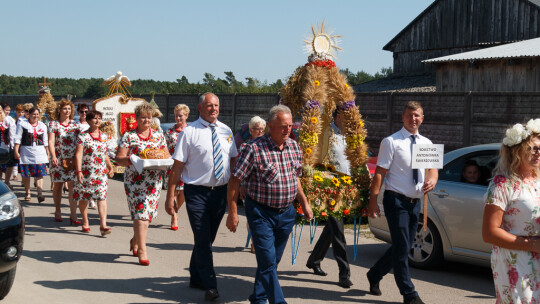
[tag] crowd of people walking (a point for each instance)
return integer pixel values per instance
(211, 175)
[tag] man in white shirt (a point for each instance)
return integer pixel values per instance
(404, 187)
(203, 157)
(333, 232)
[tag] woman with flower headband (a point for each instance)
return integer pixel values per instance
(92, 167)
(512, 218)
(63, 133)
(181, 113)
(142, 189)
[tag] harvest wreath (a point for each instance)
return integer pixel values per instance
(315, 91)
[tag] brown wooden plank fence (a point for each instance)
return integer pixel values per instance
(454, 119)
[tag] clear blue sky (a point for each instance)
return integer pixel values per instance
(164, 40)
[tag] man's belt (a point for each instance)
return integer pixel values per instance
(210, 188)
(394, 193)
(266, 207)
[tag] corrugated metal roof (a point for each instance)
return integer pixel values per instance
(526, 48)
(536, 2)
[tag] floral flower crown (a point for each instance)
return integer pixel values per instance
(518, 133)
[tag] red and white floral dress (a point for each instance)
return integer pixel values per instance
(516, 273)
(142, 189)
(94, 168)
(65, 144)
(171, 136)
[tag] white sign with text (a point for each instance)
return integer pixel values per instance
(427, 156)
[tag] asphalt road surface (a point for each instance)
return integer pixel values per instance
(60, 264)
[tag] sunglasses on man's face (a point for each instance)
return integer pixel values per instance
(83, 112)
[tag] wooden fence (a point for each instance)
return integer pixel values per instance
(453, 119)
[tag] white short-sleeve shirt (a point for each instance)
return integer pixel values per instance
(395, 155)
(194, 148)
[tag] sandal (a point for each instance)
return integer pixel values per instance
(27, 198)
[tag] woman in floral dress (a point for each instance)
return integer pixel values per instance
(92, 165)
(181, 113)
(31, 151)
(512, 216)
(63, 134)
(142, 189)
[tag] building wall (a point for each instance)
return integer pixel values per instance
(450, 26)
(406, 63)
(453, 119)
(506, 75)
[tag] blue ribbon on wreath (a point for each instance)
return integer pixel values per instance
(248, 238)
(356, 235)
(296, 241)
(312, 230)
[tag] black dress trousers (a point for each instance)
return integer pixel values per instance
(332, 234)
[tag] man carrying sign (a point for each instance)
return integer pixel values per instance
(404, 187)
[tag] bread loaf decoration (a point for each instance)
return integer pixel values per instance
(152, 154)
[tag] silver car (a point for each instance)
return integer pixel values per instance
(455, 211)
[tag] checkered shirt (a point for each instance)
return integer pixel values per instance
(271, 174)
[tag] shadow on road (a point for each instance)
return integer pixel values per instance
(473, 278)
(63, 256)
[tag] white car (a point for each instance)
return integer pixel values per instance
(455, 211)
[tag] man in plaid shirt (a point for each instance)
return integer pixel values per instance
(271, 165)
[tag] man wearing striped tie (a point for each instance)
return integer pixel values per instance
(203, 157)
(404, 186)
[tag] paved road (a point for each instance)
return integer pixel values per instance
(60, 264)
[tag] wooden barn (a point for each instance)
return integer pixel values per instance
(449, 27)
(513, 67)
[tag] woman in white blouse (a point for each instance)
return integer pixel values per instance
(30, 142)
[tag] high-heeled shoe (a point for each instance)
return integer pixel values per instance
(85, 230)
(134, 251)
(58, 219)
(174, 228)
(74, 222)
(105, 231)
(144, 262)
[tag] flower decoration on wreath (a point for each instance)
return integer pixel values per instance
(315, 91)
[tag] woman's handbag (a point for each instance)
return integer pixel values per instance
(68, 164)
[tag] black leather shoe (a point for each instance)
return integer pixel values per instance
(373, 287)
(316, 269)
(415, 300)
(211, 295)
(196, 285)
(345, 283)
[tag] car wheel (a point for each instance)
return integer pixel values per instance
(426, 251)
(6, 281)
